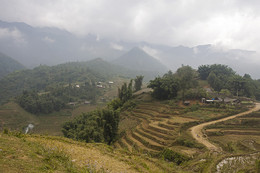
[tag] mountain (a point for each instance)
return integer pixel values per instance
(8, 65)
(33, 46)
(137, 59)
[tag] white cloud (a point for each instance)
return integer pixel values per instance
(14, 34)
(153, 52)
(232, 23)
(116, 46)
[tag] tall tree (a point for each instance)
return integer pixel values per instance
(187, 79)
(204, 71)
(125, 92)
(138, 82)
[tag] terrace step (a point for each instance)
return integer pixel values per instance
(128, 147)
(155, 133)
(147, 142)
(158, 129)
(136, 111)
(167, 126)
(151, 137)
(122, 144)
(137, 145)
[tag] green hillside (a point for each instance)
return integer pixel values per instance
(43, 78)
(8, 65)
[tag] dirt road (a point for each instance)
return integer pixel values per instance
(196, 131)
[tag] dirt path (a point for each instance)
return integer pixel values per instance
(196, 131)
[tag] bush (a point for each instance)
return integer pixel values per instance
(169, 155)
(129, 105)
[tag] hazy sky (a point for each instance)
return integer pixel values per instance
(228, 23)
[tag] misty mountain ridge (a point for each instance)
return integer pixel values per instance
(137, 59)
(8, 65)
(33, 46)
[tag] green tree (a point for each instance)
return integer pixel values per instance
(215, 82)
(237, 84)
(187, 78)
(138, 82)
(125, 92)
(204, 71)
(165, 87)
(111, 119)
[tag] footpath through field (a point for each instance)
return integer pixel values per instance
(197, 133)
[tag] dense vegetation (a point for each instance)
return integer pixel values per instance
(138, 82)
(168, 86)
(43, 78)
(95, 126)
(223, 77)
(57, 98)
(99, 125)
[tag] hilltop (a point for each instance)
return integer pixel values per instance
(137, 59)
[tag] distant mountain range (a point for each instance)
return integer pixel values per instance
(33, 46)
(8, 65)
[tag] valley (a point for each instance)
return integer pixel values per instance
(180, 122)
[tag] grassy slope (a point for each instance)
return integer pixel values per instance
(35, 153)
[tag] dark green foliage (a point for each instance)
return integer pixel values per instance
(95, 126)
(215, 82)
(204, 71)
(56, 98)
(195, 93)
(115, 104)
(125, 92)
(44, 77)
(138, 82)
(111, 120)
(129, 105)
(35, 104)
(165, 87)
(187, 78)
(168, 154)
(223, 77)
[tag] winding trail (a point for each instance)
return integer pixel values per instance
(197, 133)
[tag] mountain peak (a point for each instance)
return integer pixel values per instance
(138, 59)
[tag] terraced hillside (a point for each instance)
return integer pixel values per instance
(153, 126)
(238, 135)
(157, 127)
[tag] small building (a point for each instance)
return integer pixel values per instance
(72, 103)
(87, 102)
(110, 82)
(186, 103)
(77, 86)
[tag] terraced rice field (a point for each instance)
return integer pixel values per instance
(150, 128)
(238, 135)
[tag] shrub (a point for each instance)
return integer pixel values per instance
(168, 154)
